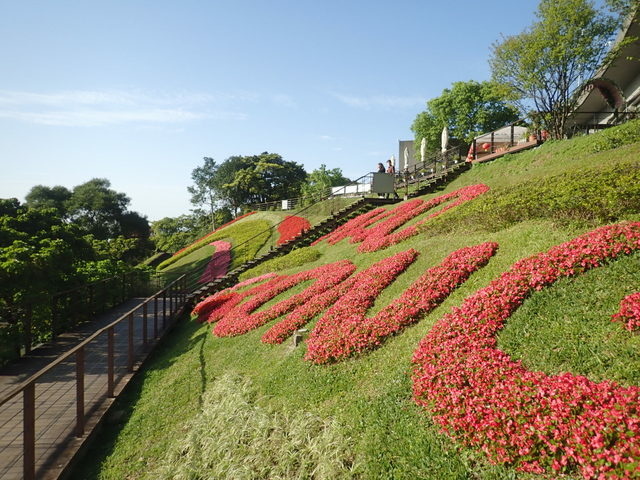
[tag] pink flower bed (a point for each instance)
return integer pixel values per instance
(629, 313)
(242, 317)
(219, 263)
(211, 233)
(291, 227)
(537, 422)
(344, 330)
(382, 235)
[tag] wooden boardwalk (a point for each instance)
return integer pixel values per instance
(56, 392)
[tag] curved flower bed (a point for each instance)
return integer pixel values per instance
(241, 318)
(344, 330)
(353, 226)
(291, 227)
(192, 244)
(219, 263)
(629, 313)
(210, 309)
(380, 236)
(534, 421)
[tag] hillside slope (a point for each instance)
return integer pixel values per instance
(340, 404)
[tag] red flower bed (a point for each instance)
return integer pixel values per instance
(380, 236)
(291, 227)
(344, 330)
(211, 233)
(219, 263)
(241, 318)
(534, 421)
(629, 313)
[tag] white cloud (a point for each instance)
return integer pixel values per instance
(87, 108)
(380, 101)
(326, 138)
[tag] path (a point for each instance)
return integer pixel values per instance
(55, 412)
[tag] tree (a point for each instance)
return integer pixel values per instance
(321, 180)
(49, 197)
(206, 188)
(102, 212)
(467, 109)
(544, 65)
(243, 180)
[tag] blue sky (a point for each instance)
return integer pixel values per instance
(139, 91)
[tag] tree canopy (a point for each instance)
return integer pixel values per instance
(244, 180)
(544, 65)
(321, 179)
(467, 109)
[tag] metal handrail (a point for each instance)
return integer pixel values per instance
(175, 289)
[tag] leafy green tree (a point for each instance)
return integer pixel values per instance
(39, 254)
(244, 180)
(544, 65)
(102, 212)
(49, 197)
(467, 109)
(321, 180)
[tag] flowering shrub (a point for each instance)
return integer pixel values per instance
(380, 235)
(241, 317)
(219, 263)
(629, 313)
(344, 329)
(291, 227)
(534, 421)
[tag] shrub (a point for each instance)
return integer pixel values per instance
(294, 258)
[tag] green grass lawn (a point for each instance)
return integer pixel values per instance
(194, 406)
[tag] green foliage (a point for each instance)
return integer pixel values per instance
(171, 234)
(295, 258)
(467, 109)
(320, 181)
(546, 63)
(49, 197)
(246, 180)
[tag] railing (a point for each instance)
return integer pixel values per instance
(585, 122)
(504, 139)
(356, 188)
(65, 310)
(432, 168)
(79, 385)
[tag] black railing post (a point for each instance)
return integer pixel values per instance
(29, 432)
(80, 392)
(110, 363)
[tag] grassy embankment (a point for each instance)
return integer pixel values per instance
(192, 412)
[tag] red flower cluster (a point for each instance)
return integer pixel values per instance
(629, 313)
(211, 233)
(219, 263)
(344, 330)
(291, 227)
(516, 416)
(380, 236)
(242, 318)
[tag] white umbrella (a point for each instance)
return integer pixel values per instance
(406, 157)
(393, 160)
(423, 149)
(444, 139)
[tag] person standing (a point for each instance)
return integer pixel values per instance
(391, 169)
(381, 168)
